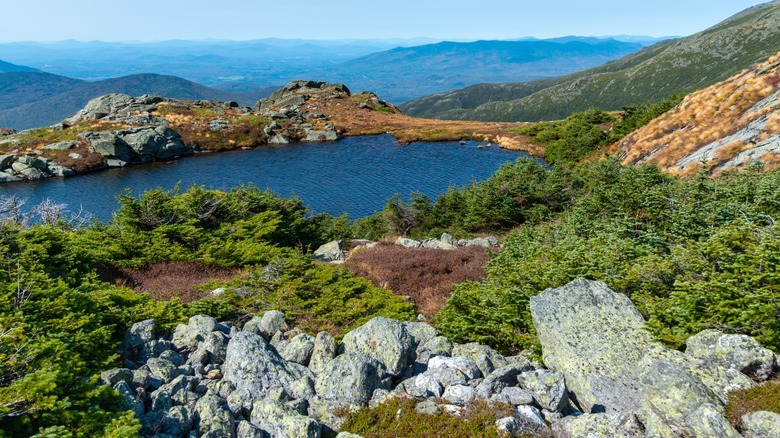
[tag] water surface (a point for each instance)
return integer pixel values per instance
(355, 175)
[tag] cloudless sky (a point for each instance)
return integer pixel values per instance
(147, 20)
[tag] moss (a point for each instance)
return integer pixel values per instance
(397, 418)
(764, 397)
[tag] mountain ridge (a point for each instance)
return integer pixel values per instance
(650, 74)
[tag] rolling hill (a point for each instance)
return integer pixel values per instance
(53, 108)
(23, 87)
(674, 66)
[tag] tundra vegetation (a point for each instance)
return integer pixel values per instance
(691, 254)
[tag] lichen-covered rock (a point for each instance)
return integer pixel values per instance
(281, 421)
(514, 396)
(215, 343)
(246, 429)
(325, 412)
(254, 366)
(761, 424)
(596, 338)
(458, 394)
(350, 378)
(267, 325)
(462, 364)
(486, 358)
(548, 388)
(214, 417)
(497, 381)
(114, 105)
(164, 369)
(109, 145)
(588, 426)
(740, 352)
(116, 375)
(299, 349)
(386, 340)
(325, 347)
(529, 415)
(330, 252)
(177, 422)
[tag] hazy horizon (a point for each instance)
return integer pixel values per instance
(455, 20)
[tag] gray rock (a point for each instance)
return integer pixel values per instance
(761, 424)
(596, 339)
(245, 429)
(216, 345)
(458, 394)
(115, 163)
(588, 426)
(514, 396)
(173, 357)
(385, 340)
(116, 375)
(510, 426)
(740, 352)
(347, 435)
(114, 105)
(9, 177)
(437, 346)
(529, 415)
(462, 364)
(427, 407)
(279, 139)
(436, 244)
(548, 388)
(428, 385)
(177, 422)
(495, 382)
(214, 417)
(299, 349)
(6, 160)
(449, 240)
(255, 367)
(324, 351)
(330, 252)
(324, 411)
(408, 243)
(164, 369)
(421, 332)
(267, 325)
(151, 143)
(109, 145)
(27, 170)
(350, 378)
(281, 421)
(474, 350)
(322, 135)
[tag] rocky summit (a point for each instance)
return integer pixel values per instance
(603, 375)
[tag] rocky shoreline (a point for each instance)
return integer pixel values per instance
(118, 130)
(603, 375)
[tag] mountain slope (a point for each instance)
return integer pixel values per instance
(23, 87)
(55, 108)
(410, 71)
(727, 125)
(7, 67)
(674, 66)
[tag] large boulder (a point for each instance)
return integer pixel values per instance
(109, 145)
(597, 340)
(214, 417)
(330, 252)
(255, 368)
(114, 105)
(325, 349)
(268, 324)
(154, 142)
(281, 421)
(351, 379)
(739, 352)
(761, 424)
(386, 340)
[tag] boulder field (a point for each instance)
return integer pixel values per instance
(603, 375)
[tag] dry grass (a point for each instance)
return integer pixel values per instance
(705, 117)
(353, 120)
(764, 397)
(163, 281)
(425, 275)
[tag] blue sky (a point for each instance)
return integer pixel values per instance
(147, 20)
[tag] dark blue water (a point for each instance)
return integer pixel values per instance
(355, 175)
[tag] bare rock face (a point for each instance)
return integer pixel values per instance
(596, 338)
(114, 105)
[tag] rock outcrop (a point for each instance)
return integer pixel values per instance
(606, 376)
(612, 367)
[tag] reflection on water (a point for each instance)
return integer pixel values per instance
(355, 175)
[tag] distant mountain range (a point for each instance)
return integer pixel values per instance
(33, 99)
(397, 73)
(675, 66)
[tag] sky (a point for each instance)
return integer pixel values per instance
(153, 20)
